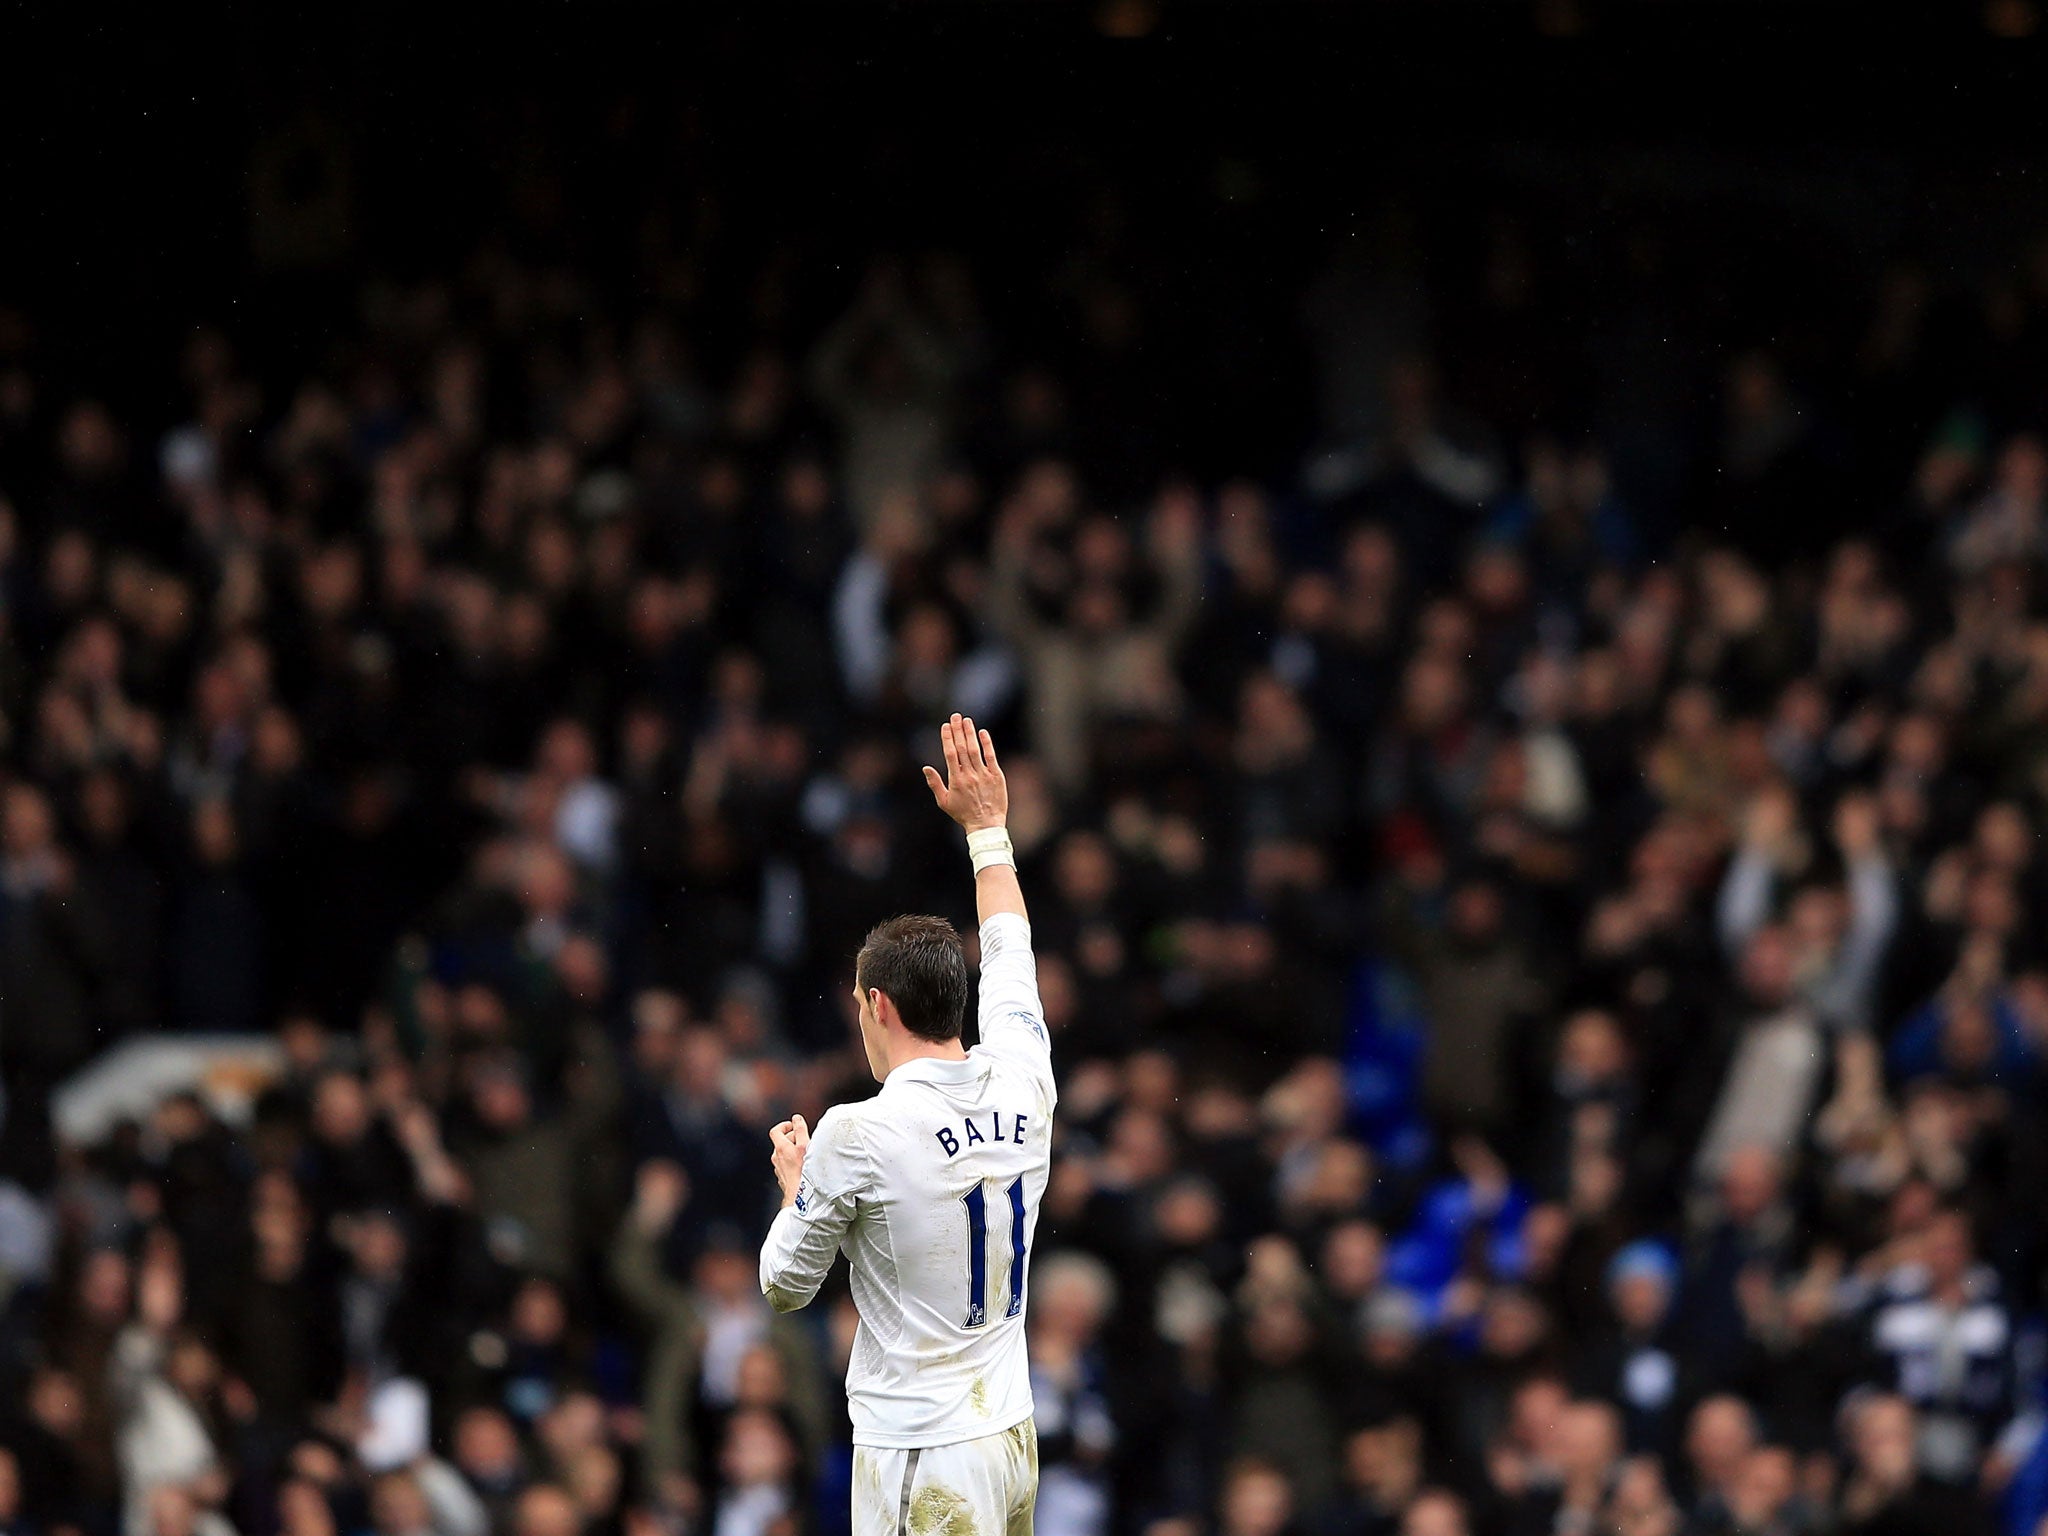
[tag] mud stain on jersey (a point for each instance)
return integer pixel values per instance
(977, 1397)
(936, 1511)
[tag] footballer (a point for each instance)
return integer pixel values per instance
(931, 1189)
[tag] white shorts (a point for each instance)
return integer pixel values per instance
(985, 1487)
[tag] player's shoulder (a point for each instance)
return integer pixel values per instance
(840, 1157)
(1026, 1070)
(844, 1120)
(846, 1130)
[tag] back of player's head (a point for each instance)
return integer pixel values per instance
(919, 965)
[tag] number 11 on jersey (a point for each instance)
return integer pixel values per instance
(976, 1201)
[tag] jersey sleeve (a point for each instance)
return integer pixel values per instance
(1012, 1019)
(805, 1235)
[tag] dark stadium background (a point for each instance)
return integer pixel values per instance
(1286, 1301)
(1792, 144)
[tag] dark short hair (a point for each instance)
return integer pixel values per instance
(919, 965)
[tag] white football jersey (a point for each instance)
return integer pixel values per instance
(932, 1189)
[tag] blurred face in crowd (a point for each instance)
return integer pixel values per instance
(1588, 1440)
(2004, 839)
(1152, 1082)
(502, 1103)
(762, 1380)
(1393, 1331)
(172, 1512)
(1186, 1215)
(925, 642)
(1534, 1414)
(566, 754)
(377, 1244)
(1279, 1333)
(1545, 1232)
(1381, 1459)
(538, 1313)
(1475, 916)
(341, 1109)
(658, 1021)
(757, 1450)
(103, 1288)
(26, 827)
(1512, 1325)
(1592, 1049)
(546, 1510)
(577, 1419)
(1640, 1301)
(728, 1275)
(595, 1482)
(1435, 1513)
(1818, 917)
(191, 1367)
(1432, 694)
(1354, 1258)
(547, 883)
(1141, 1147)
(1883, 1438)
(55, 1403)
(214, 839)
(701, 1063)
(487, 1447)
(1071, 1298)
(1085, 870)
(1749, 1184)
(1765, 1484)
(1340, 1181)
(1257, 1501)
(1718, 1440)
(303, 1510)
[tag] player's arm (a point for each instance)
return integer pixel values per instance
(974, 794)
(821, 1180)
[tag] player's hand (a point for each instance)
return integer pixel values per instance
(973, 792)
(792, 1139)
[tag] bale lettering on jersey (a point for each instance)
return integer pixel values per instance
(971, 1135)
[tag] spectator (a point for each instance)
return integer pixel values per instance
(700, 1336)
(1884, 1491)
(1945, 1335)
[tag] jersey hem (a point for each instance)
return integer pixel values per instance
(933, 1439)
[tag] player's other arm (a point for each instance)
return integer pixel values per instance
(821, 1180)
(974, 793)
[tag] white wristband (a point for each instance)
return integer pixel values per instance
(990, 846)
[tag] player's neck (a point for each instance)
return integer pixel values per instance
(910, 1049)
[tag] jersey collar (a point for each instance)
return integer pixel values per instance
(934, 1069)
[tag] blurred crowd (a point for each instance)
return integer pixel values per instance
(1540, 914)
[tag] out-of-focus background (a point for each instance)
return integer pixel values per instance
(1502, 546)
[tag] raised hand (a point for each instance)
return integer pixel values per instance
(660, 1190)
(1772, 818)
(973, 792)
(1857, 828)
